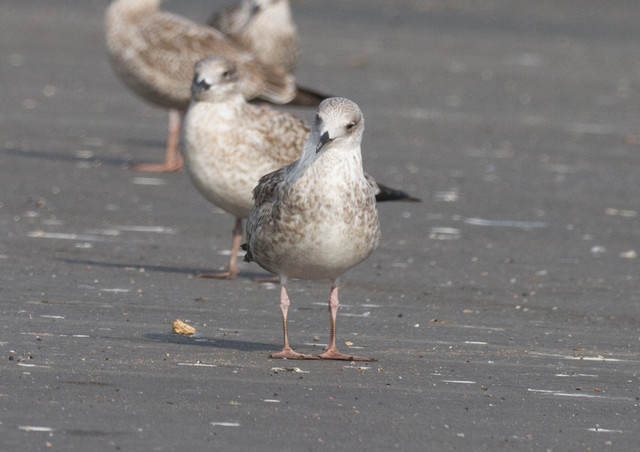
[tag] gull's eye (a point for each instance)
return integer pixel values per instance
(351, 125)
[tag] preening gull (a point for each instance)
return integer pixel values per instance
(264, 27)
(267, 30)
(317, 217)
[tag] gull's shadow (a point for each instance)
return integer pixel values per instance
(66, 157)
(63, 156)
(157, 268)
(170, 338)
(152, 268)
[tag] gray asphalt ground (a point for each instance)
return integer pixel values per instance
(504, 310)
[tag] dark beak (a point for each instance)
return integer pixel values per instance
(202, 84)
(324, 139)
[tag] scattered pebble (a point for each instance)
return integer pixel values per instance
(621, 212)
(631, 254)
(296, 370)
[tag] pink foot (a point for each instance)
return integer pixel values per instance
(335, 354)
(218, 275)
(287, 353)
(265, 279)
(157, 167)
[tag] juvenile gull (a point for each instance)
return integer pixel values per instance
(228, 144)
(317, 217)
(154, 51)
(267, 30)
(264, 27)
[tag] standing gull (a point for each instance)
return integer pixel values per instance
(228, 144)
(264, 27)
(317, 218)
(267, 30)
(154, 51)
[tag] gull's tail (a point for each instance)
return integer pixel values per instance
(247, 257)
(279, 87)
(306, 97)
(391, 194)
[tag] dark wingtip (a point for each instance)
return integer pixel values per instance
(215, 19)
(391, 194)
(247, 257)
(306, 97)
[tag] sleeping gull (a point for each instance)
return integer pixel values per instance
(264, 27)
(317, 217)
(154, 51)
(228, 144)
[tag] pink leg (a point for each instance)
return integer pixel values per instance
(232, 270)
(287, 352)
(173, 159)
(331, 350)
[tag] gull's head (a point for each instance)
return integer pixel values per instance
(338, 123)
(253, 8)
(214, 78)
(258, 6)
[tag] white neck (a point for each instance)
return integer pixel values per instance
(332, 160)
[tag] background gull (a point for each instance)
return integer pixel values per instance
(154, 51)
(317, 218)
(228, 144)
(265, 27)
(267, 30)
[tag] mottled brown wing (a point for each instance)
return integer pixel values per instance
(174, 44)
(231, 20)
(264, 197)
(283, 133)
(267, 188)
